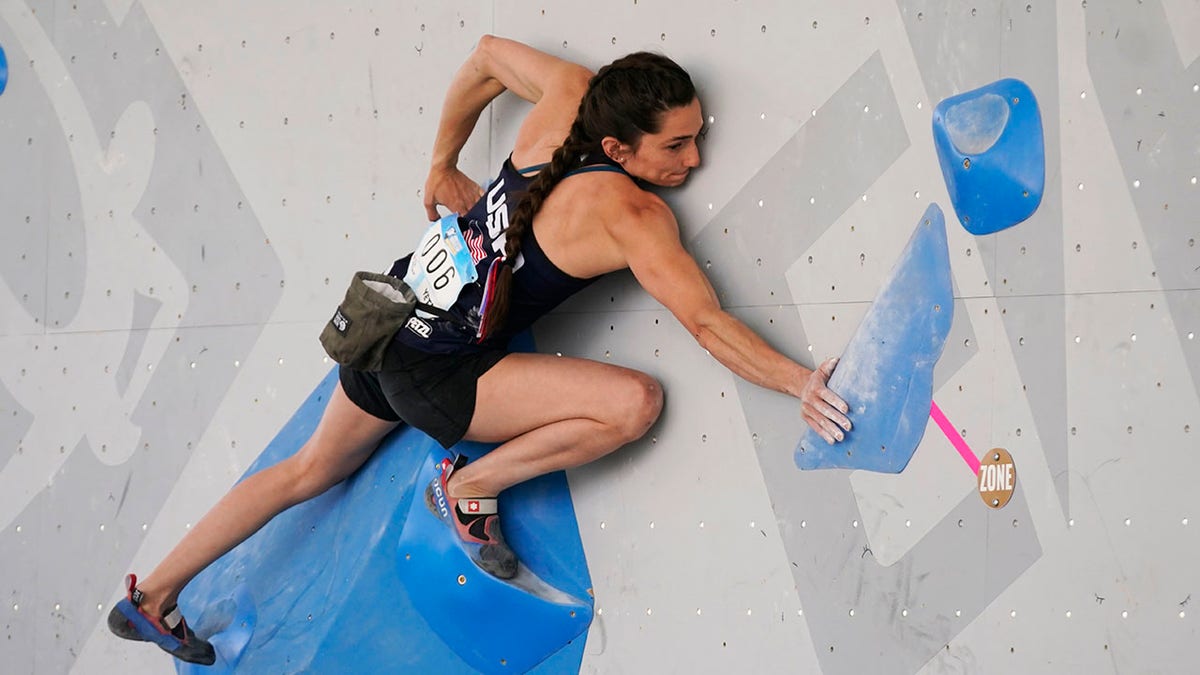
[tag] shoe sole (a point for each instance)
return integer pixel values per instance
(123, 626)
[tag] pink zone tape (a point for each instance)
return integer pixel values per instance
(954, 437)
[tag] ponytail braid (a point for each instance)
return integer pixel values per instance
(565, 158)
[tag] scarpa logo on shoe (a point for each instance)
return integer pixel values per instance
(440, 496)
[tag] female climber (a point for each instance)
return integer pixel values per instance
(567, 207)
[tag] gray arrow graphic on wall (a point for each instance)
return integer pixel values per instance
(196, 213)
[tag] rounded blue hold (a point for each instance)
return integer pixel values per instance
(3, 70)
(990, 145)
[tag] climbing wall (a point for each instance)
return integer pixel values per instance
(188, 187)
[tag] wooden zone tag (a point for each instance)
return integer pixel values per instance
(997, 478)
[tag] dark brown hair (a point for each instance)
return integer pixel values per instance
(625, 100)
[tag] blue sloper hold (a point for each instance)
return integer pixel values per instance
(238, 615)
(319, 589)
(3, 70)
(886, 373)
(990, 145)
(494, 625)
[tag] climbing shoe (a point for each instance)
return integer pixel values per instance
(475, 519)
(170, 632)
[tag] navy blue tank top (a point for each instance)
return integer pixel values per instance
(538, 284)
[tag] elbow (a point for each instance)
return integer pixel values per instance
(483, 49)
(490, 53)
(703, 329)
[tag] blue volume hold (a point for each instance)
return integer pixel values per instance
(990, 145)
(885, 374)
(3, 70)
(323, 587)
(237, 615)
(496, 626)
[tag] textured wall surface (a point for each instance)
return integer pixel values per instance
(187, 187)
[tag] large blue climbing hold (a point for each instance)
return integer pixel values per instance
(990, 145)
(885, 374)
(322, 587)
(238, 617)
(495, 626)
(3, 70)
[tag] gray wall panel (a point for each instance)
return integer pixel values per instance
(201, 179)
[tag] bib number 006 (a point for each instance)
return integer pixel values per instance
(441, 264)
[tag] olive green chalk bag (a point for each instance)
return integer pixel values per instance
(375, 307)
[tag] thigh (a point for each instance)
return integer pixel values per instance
(344, 439)
(524, 392)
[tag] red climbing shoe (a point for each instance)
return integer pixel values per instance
(476, 521)
(170, 632)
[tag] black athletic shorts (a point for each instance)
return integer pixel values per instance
(432, 392)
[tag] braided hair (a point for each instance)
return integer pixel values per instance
(625, 100)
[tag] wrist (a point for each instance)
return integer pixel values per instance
(797, 381)
(443, 164)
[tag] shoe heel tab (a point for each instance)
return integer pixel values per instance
(448, 466)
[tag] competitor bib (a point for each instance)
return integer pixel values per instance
(441, 264)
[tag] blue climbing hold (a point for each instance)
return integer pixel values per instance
(237, 617)
(494, 625)
(990, 145)
(320, 588)
(885, 374)
(3, 70)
